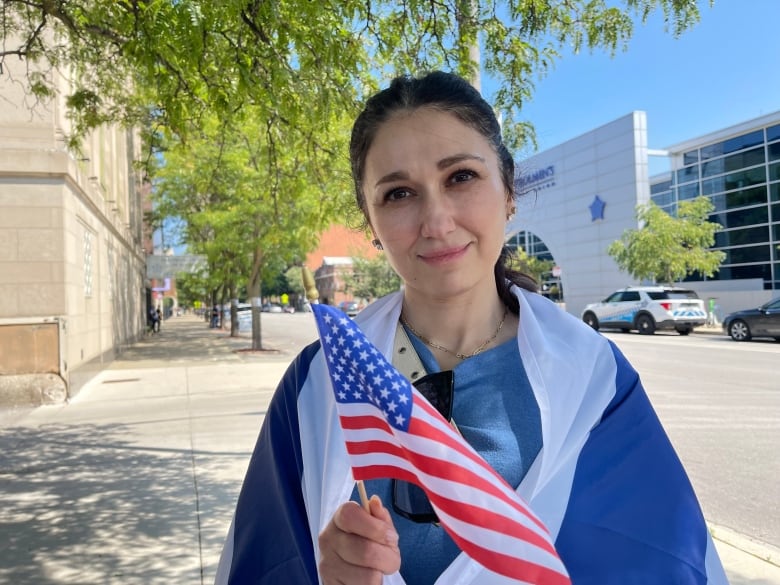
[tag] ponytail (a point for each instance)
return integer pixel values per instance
(506, 276)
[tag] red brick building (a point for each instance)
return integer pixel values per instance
(333, 258)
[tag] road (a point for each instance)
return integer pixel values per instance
(720, 404)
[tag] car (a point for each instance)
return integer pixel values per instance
(763, 321)
(351, 308)
(244, 315)
(272, 308)
(648, 309)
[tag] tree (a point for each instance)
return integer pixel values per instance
(251, 207)
(371, 278)
(531, 265)
(667, 249)
(174, 61)
(295, 281)
(252, 98)
(191, 289)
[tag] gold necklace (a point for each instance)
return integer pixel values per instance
(461, 356)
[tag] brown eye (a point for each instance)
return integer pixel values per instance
(463, 176)
(397, 194)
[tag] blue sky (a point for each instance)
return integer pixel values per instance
(723, 71)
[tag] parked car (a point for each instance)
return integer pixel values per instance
(647, 309)
(763, 321)
(272, 308)
(351, 308)
(244, 314)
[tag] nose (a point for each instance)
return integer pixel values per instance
(436, 216)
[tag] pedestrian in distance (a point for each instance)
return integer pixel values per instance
(158, 322)
(215, 317)
(154, 320)
(551, 405)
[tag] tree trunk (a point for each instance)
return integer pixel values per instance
(256, 300)
(468, 38)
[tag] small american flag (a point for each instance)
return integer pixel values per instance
(391, 431)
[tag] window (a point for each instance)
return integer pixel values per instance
(682, 294)
(774, 171)
(663, 199)
(749, 158)
(87, 263)
(762, 271)
(688, 174)
(733, 144)
(630, 296)
(747, 255)
(774, 151)
(660, 187)
(745, 178)
(690, 157)
(743, 197)
(713, 167)
(773, 133)
(742, 217)
(741, 237)
(690, 191)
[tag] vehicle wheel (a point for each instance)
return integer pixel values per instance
(683, 330)
(739, 330)
(591, 320)
(645, 324)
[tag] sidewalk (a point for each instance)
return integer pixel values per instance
(134, 482)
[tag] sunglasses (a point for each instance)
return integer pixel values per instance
(409, 500)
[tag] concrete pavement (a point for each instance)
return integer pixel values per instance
(134, 481)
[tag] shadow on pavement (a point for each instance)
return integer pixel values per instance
(83, 504)
(189, 339)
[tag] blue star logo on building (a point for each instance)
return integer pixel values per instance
(597, 208)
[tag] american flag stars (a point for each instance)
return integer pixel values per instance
(361, 374)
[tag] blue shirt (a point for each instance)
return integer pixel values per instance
(496, 411)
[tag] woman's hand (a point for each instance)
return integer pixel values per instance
(357, 547)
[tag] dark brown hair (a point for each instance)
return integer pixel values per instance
(449, 93)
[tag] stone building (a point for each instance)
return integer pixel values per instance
(72, 258)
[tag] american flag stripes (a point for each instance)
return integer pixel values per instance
(392, 432)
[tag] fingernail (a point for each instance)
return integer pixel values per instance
(391, 538)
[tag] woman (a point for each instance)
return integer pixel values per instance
(550, 404)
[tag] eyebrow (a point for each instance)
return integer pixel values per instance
(441, 165)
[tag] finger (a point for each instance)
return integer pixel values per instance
(334, 571)
(377, 526)
(378, 511)
(344, 553)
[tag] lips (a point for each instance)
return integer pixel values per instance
(443, 255)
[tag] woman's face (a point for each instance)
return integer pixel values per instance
(435, 200)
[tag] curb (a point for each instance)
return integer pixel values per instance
(709, 331)
(761, 550)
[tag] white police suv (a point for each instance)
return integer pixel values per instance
(646, 309)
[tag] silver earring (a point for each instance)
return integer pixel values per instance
(377, 244)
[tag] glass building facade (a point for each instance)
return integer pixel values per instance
(534, 247)
(741, 176)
